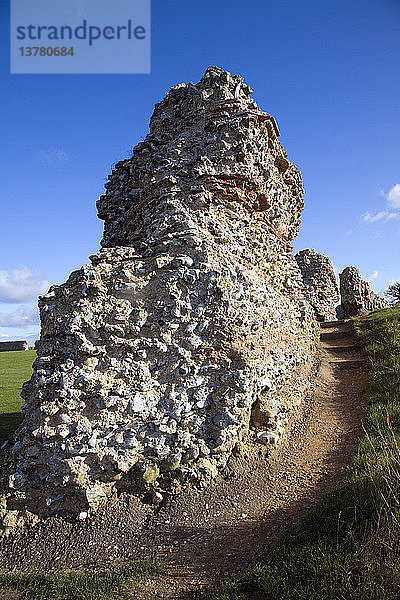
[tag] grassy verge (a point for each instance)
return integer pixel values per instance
(80, 586)
(348, 547)
(15, 369)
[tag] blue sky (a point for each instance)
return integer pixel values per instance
(328, 71)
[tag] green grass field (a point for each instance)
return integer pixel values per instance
(15, 369)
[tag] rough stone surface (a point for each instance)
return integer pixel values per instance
(357, 296)
(152, 357)
(320, 285)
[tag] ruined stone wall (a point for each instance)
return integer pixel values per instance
(320, 285)
(152, 357)
(13, 346)
(357, 296)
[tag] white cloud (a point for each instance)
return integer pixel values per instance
(393, 196)
(349, 232)
(393, 202)
(4, 336)
(373, 276)
(53, 156)
(23, 316)
(21, 285)
(382, 215)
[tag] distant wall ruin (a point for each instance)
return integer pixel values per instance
(13, 346)
(190, 319)
(322, 292)
(357, 296)
(320, 285)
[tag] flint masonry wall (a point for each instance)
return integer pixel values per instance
(357, 296)
(320, 285)
(152, 358)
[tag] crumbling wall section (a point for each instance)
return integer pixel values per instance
(320, 285)
(357, 296)
(152, 358)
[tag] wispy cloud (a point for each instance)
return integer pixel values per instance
(373, 276)
(52, 157)
(389, 213)
(379, 216)
(393, 196)
(21, 285)
(22, 317)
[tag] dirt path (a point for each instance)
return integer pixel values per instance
(206, 536)
(242, 519)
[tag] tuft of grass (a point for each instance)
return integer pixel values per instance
(348, 547)
(80, 585)
(15, 369)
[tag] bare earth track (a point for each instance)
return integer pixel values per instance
(312, 461)
(206, 537)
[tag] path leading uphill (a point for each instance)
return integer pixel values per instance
(209, 535)
(258, 504)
